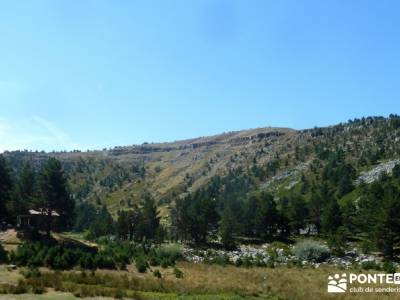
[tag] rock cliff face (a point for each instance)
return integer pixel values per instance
(374, 174)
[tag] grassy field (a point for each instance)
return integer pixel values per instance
(207, 282)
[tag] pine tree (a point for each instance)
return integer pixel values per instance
(315, 211)
(122, 225)
(6, 186)
(149, 218)
(228, 227)
(25, 191)
(250, 211)
(54, 195)
(297, 213)
(267, 216)
(103, 224)
(387, 230)
(332, 217)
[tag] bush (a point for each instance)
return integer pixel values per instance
(104, 261)
(111, 255)
(154, 261)
(157, 273)
(370, 265)
(367, 246)
(218, 259)
(238, 262)
(178, 273)
(247, 262)
(311, 251)
(164, 264)
(141, 264)
(389, 267)
(31, 273)
(169, 254)
(337, 242)
(63, 257)
(3, 255)
(273, 249)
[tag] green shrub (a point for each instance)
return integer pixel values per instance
(247, 262)
(157, 273)
(141, 264)
(239, 262)
(111, 255)
(259, 262)
(272, 249)
(31, 273)
(271, 264)
(169, 254)
(164, 264)
(370, 265)
(178, 273)
(86, 261)
(311, 251)
(3, 255)
(104, 261)
(221, 260)
(389, 267)
(37, 289)
(154, 261)
(367, 246)
(337, 242)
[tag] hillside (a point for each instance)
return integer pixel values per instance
(274, 159)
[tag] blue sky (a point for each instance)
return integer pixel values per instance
(93, 74)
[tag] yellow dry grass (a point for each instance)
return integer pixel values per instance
(9, 239)
(281, 282)
(266, 283)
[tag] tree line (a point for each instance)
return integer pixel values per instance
(229, 208)
(45, 190)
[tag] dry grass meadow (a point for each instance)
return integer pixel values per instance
(209, 282)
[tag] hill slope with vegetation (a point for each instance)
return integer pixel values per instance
(275, 159)
(261, 183)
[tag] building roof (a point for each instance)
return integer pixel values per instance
(43, 212)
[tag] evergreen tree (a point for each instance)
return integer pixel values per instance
(150, 221)
(283, 218)
(85, 215)
(195, 217)
(349, 215)
(103, 224)
(204, 218)
(396, 171)
(6, 186)
(250, 212)
(387, 230)
(27, 183)
(123, 224)
(266, 216)
(315, 210)
(332, 217)
(228, 227)
(180, 219)
(25, 191)
(54, 195)
(297, 213)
